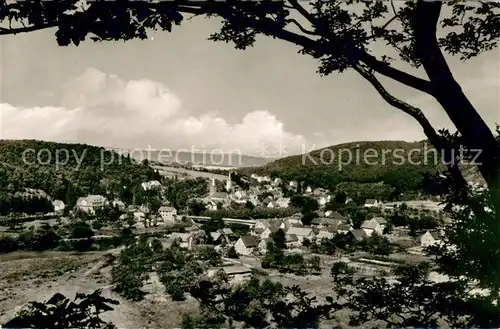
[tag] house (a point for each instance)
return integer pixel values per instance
(293, 220)
(240, 194)
(91, 203)
(324, 200)
(144, 209)
(131, 208)
(150, 185)
(236, 274)
(210, 205)
(257, 231)
(430, 238)
(358, 234)
(245, 245)
(219, 238)
(118, 204)
(326, 222)
(338, 216)
(283, 202)
(167, 214)
(376, 224)
(227, 231)
(369, 203)
(302, 233)
(324, 234)
(58, 206)
(381, 220)
(139, 215)
(277, 181)
(292, 241)
(268, 231)
(265, 223)
(273, 204)
(219, 197)
(344, 228)
(263, 244)
(182, 238)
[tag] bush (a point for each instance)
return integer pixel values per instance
(8, 244)
(84, 234)
(231, 253)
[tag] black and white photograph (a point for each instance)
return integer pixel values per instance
(249, 164)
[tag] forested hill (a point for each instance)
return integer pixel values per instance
(397, 163)
(66, 171)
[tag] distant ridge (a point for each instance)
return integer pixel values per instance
(397, 163)
(167, 157)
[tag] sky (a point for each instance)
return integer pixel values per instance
(180, 91)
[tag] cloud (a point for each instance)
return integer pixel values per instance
(102, 109)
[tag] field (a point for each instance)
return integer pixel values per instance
(29, 276)
(26, 277)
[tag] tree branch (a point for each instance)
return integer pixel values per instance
(268, 27)
(303, 29)
(416, 113)
(26, 29)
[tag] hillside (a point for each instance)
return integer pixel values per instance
(396, 163)
(66, 171)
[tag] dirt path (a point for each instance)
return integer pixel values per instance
(26, 277)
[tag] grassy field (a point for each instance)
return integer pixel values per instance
(31, 276)
(27, 276)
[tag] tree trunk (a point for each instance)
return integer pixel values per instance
(476, 134)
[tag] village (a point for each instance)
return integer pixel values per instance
(251, 238)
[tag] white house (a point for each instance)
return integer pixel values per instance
(273, 204)
(283, 202)
(91, 203)
(374, 225)
(324, 200)
(294, 219)
(263, 244)
(276, 181)
(167, 214)
(150, 185)
(58, 206)
(369, 203)
(236, 274)
(210, 205)
(326, 222)
(268, 231)
(262, 224)
(301, 233)
(245, 245)
(260, 179)
(182, 238)
(430, 238)
(139, 215)
(226, 231)
(118, 204)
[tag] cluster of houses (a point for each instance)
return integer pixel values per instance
(295, 232)
(272, 187)
(327, 225)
